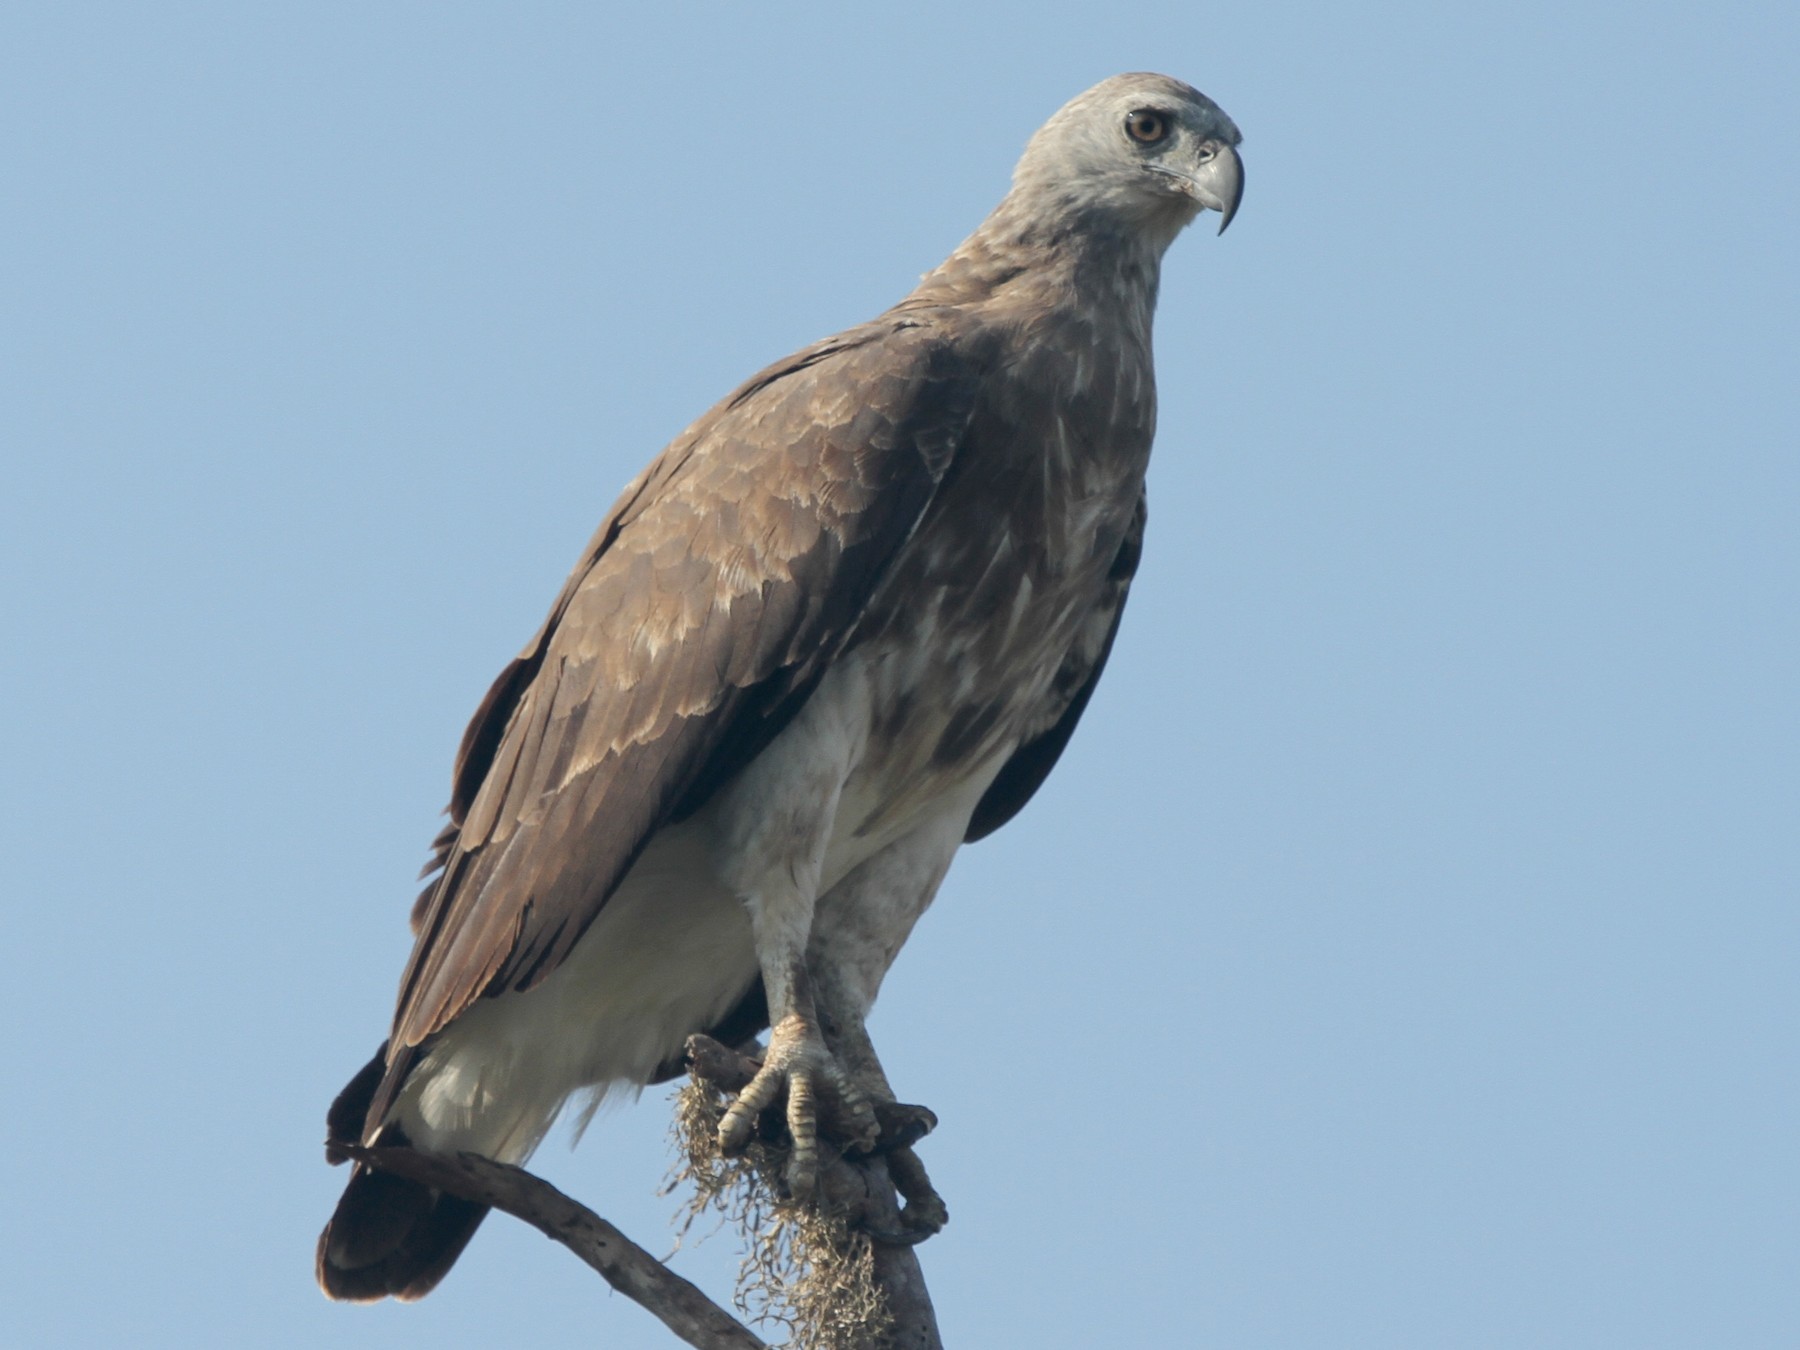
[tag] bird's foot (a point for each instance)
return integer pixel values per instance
(924, 1213)
(799, 1062)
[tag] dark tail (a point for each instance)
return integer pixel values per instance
(389, 1237)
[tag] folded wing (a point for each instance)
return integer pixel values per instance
(705, 609)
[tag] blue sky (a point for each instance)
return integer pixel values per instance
(1403, 955)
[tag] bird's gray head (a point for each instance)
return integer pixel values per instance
(1141, 151)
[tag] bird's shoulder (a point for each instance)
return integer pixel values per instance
(793, 456)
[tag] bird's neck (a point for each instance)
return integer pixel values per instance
(1049, 256)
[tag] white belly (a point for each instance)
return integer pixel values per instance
(670, 952)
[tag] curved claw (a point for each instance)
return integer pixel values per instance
(902, 1125)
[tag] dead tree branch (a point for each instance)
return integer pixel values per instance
(624, 1265)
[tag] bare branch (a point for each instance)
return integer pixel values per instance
(626, 1266)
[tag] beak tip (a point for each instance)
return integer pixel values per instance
(1225, 185)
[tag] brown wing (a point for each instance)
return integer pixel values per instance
(1023, 774)
(703, 611)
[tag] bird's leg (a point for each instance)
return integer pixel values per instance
(798, 1058)
(842, 1011)
(799, 1061)
(860, 925)
(773, 825)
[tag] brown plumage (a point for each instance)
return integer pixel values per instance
(846, 620)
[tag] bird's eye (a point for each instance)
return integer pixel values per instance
(1146, 126)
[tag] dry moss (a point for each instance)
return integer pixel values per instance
(803, 1268)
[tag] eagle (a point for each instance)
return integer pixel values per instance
(843, 624)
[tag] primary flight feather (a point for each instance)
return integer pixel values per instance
(843, 624)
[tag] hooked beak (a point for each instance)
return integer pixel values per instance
(1217, 181)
